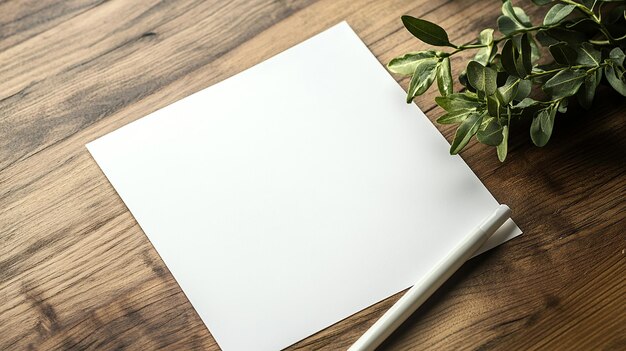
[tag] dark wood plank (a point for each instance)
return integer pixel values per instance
(77, 272)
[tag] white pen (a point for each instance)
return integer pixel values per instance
(422, 290)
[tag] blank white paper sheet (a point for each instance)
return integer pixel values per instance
(296, 193)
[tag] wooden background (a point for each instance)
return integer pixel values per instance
(77, 272)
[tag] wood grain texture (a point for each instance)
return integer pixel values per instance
(77, 272)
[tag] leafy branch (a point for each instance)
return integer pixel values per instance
(505, 80)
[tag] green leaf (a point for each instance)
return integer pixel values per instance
(557, 13)
(525, 52)
(456, 116)
(516, 56)
(508, 58)
(486, 36)
(587, 92)
(542, 125)
(522, 17)
(613, 75)
(482, 78)
(502, 149)
(507, 9)
(558, 34)
(422, 79)
(617, 55)
(509, 89)
(523, 89)
(493, 106)
(527, 102)
(458, 101)
(406, 63)
(565, 83)
(464, 133)
(516, 14)
(508, 26)
(490, 133)
(535, 53)
(562, 106)
(444, 77)
(563, 54)
(485, 55)
(545, 39)
(588, 55)
(427, 32)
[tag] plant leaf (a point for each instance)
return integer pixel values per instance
(588, 55)
(542, 125)
(507, 9)
(523, 90)
(422, 79)
(544, 38)
(502, 149)
(456, 116)
(486, 36)
(527, 102)
(464, 133)
(617, 55)
(563, 54)
(508, 58)
(507, 25)
(509, 89)
(613, 76)
(406, 63)
(427, 32)
(562, 106)
(542, 2)
(558, 34)
(493, 106)
(444, 77)
(482, 78)
(525, 52)
(491, 133)
(522, 17)
(485, 55)
(517, 14)
(458, 101)
(565, 83)
(535, 54)
(557, 13)
(587, 92)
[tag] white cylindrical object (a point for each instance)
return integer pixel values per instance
(422, 290)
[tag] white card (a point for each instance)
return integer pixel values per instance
(296, 193)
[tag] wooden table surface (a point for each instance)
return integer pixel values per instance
(77, 272)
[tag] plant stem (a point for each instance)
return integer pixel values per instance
(522, 31)
(600, 42)
(460, 48)
(471, 45)
(556, 70)
(621, 38)
(582, 8)
(579, 6)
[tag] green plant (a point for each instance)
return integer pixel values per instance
(512, 76)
